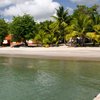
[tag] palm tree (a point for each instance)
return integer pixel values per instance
(95, 26)
(61, 15)
(46, 33)
(81, 24)
(62, 20)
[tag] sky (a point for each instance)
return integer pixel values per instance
(41, 10)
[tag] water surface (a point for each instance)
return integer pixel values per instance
(41, 79)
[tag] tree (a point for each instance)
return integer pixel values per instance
(3, 30)
(91, 12)
(82, 21)
(80, 10)
(46, 33)
(62, 19)
(62, 15)
(95, 25)
(84, 10)
(22, 28)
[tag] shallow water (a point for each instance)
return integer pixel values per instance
(40, 79)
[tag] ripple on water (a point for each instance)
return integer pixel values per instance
(36, 79)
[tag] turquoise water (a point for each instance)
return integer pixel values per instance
(40, 79)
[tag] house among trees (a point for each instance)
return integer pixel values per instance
(7, 40)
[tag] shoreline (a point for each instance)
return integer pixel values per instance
(63, 53)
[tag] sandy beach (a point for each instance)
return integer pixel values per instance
(63, 52)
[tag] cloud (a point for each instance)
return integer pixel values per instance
(4, 3)
(19, 1)
(70, 10)
(40, 9)
(87, 2)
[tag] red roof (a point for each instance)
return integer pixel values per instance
(8, 37)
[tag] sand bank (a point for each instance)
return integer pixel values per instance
(63, 52)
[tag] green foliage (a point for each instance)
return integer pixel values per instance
(62, 20)
(61, 14)
(95, 19)
(72, 34)
(87, 17)
(81, 9)
(69, 29)
(3, 29)
(93, 36)
(65, 26)
(97, 28)
(84, 10)
(81, 23)
(22, 27)
(46, 33)
(97, 38)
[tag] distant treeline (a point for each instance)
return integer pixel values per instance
(83, 23)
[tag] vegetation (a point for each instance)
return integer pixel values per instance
(22, 28)
(82, 26)
(3, 30)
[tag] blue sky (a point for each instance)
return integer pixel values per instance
(40, 9)
(66, 3)
(73, 3)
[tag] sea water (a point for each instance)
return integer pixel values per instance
(45, 79)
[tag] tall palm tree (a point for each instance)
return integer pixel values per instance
(81, 24)
(61, 15)
(62, 19)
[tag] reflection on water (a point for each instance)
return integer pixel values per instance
(37, 79)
